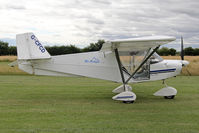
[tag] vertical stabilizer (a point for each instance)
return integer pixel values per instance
(29, 47)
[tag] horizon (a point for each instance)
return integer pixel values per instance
(12, 42)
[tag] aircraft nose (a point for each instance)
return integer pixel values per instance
(185, 63)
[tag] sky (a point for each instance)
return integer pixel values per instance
(80, 22)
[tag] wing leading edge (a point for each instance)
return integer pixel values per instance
(139, 44)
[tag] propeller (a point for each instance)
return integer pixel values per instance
(182, 49)
(184, 62)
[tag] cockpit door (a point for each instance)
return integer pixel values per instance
(130, 62)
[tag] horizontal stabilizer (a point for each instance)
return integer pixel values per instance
(14, 63)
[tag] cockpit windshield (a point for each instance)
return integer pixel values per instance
(155, 58)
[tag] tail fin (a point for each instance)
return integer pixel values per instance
(29, 47)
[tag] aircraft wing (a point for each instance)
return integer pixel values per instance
(136, 44)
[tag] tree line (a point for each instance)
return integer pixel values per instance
(164, 51)
(5, 49)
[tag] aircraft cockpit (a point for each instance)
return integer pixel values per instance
(131, 61)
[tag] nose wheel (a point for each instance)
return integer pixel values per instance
(128, 102)
(167, 92)
(169, 97)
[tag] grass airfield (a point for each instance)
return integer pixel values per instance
(42, 104)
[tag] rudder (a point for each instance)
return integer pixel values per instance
(29, 47)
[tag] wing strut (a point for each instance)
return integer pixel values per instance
(120, 65)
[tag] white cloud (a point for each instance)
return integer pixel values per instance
(81, 22)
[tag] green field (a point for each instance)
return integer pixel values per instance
(42, 104)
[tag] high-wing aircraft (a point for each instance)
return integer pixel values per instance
(126, 61)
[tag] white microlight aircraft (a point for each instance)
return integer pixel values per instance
(126, 61)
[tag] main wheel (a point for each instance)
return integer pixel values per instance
(128, 102)
(169, 97)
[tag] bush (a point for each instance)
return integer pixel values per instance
(196, 51)
(94, 46)
(189, 51)
(164, 51)
(59, 50)
(172, 52)
(12, 50)
(3, 48)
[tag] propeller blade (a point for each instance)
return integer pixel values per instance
(182, 49)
